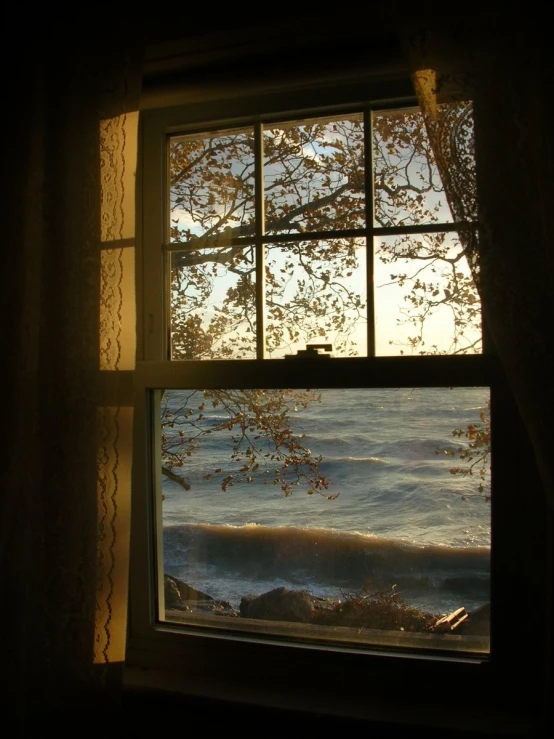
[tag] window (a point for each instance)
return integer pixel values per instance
(269, 466)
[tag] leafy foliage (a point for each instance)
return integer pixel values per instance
(258, 425)
(475, 455)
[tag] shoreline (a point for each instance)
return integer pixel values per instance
(385, 610)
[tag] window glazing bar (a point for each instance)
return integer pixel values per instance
(360, 233)
(369, 206)
(259, 242)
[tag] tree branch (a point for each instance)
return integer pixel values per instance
(175, 478)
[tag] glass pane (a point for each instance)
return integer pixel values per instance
(407, 187)
(425, 297)
(211, 185)
(213, 303)
(314, 175)
(329, 514)
(316, 292)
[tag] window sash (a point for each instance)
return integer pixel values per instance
(356, 372)
(369, 233)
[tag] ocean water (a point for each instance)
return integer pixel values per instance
(400, 517)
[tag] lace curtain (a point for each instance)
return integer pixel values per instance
(68, 292)
(501, 67)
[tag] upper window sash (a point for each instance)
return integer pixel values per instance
(300, 271)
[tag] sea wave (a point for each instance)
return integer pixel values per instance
(320, 558)
(354, 460)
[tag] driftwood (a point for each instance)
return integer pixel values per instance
(452, 621)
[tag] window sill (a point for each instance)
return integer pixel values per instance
(431, 692)
(226, 700)
(140, 703)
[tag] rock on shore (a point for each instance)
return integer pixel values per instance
(182, 597)
(280, 604)
(299, 606)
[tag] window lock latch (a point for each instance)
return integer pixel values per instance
(312, 351)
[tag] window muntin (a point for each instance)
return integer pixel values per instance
(366, 178)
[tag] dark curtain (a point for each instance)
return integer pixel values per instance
(501, 173)
(67, 78)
